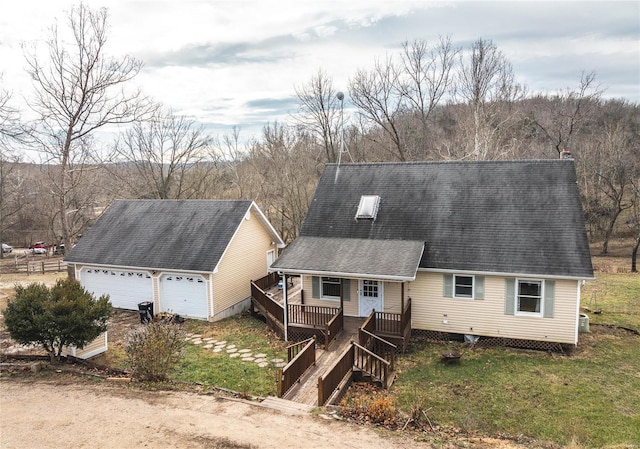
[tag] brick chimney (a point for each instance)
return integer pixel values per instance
(566, 154)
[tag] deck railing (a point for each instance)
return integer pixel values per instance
(372, 364)
(336, 376)
(326, 320)
(268, 281)
(405, 325)
(378, 346)
(304, 356)
(388, 323)
(294, 349)
(311, 315)
(267, 303)
(393, 325)
(334, 326)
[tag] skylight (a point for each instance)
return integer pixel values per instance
(368, 207)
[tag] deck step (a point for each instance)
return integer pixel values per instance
(293, 408)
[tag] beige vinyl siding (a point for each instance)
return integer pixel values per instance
(244, 261)
(391, 300)
(311, 301)
(392, 297)
(93, 348)
(432, 311)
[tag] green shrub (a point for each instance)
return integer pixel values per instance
(155, 350)
(65, 314)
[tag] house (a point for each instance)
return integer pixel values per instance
(494, 249)
(195, 258)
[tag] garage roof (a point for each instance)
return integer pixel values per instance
(189, 235)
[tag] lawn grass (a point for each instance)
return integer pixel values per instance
(616, 296)
(218, 369)
(590, 398)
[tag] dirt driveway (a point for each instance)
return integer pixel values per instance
(43, 415)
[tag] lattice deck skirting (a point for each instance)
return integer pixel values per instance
(418, 335)
(299, 334)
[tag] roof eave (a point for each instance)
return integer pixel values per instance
(509, 274)
(341, 274)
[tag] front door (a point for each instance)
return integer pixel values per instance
(370, 297)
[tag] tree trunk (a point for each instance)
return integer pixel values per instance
(607, 235)
(634, 255)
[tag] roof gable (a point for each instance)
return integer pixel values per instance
(187, 235)
(494, 216)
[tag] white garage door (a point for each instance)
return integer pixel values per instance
(125, 288)
(184, 295)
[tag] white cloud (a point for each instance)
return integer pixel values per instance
(210, 59)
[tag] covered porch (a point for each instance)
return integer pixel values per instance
(383, 306)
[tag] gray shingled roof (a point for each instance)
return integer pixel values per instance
(390, 259)
(161, 234)
(521, 217)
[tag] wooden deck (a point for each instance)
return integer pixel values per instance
(306, 391)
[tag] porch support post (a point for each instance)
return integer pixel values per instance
(285, 296)
(402, 302)
(341, 295)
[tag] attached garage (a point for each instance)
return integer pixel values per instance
(184, 295)
(126, 288)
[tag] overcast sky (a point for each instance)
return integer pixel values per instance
(236, 62)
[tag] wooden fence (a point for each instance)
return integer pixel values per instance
(35, 266)
(304, 356)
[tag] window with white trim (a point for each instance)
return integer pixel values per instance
(463, 286)
(529, 299)
(330, 288)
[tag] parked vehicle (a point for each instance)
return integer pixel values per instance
(40, 248)
(6, 248)
(59, 249)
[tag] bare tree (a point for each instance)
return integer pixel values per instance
(396, 100)
(10, 127)
(486, 83)
(78, 90)
(320, 112)
(567, 113)
(231, 154)
(284, 176)
(167, 155)
(614, 171)
(10, 131)
(379, 101)
(634, 219)
(426, 78)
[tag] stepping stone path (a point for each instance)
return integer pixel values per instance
(244, 354)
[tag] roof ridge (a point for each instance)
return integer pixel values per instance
(501, 161)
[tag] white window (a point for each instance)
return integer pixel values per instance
(370, 289)
(368, 207)
(331, 288)
(463, 286)
(271, 257)
(529, 299)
